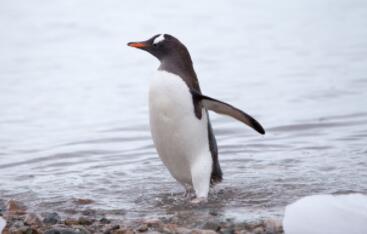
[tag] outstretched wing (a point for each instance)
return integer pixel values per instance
(226, 109)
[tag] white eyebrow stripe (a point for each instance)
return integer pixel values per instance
(158, 39)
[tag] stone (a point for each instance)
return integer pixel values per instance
(123, 231)
(65, 231)
(169, 228)
(227, 231)
(213, 213)
(2, 206)
(182, 230)
(212, 226)
(23, 230)
(82, 201)
(273, 226)
(82, 230)
(143, 228)
(259, 230)
(154, 223)
(109, 228)
(15, 207)
(104, 220)
(84, 221)
(51, 218)
(71, 221)
(203, 231)
(33, 220)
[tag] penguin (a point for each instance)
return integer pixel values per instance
(179, 119)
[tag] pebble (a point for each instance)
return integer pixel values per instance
(182, 230)
(15, 207)
(83, 201)
(203, 231)
(23, 230)
(212, 226)
(104, 220)
(168, 228)
(51, 218)
(89, 212)
(2, 206)
(273, 226)
(33, 220)
(84, 221)
(66, 231)
(143, 228)
(259, 230)
(154, 223)
(123, 231)
(71, 221)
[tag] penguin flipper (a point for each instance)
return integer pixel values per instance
(227, 109)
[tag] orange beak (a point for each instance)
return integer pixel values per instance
(137, 44)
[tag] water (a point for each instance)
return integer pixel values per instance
(74, 117)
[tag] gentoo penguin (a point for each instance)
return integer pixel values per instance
(179, 120)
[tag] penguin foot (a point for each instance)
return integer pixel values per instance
(199, 200)
(189, 192)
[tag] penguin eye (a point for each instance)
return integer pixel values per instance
(155, 44)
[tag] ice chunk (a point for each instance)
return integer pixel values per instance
(323, 214)
(2, 224)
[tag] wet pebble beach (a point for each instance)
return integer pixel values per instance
(20, 221)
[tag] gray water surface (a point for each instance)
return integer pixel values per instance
(74, 117)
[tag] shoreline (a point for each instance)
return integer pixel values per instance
(19, 220)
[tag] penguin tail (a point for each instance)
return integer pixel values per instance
(217, 175)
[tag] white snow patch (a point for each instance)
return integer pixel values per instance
(2, 224)
(158, 39)
(323, 214)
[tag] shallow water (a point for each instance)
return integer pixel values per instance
(73, 103)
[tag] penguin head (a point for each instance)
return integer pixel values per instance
(163, 46)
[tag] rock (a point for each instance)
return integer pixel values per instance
(143, 228)
(89, 212)
(15, 207)
(213, 213)
(227, 231)
(273, 226)
(82, 201)
(82, 230)
(168, 228)
(104, 220)
(259, 230)
(154, 223)
(84, 221)
(23, 230)
(51, 218)
(2, 206)
(203, 231)
(212, 226)
(32, 220)
(123, 231)
(66, 231)
(107, 229)
(71, 221)
(182, 230)
(118, 212)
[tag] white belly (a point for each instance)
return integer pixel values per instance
(180, 138)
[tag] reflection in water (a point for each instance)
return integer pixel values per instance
(73, 104)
